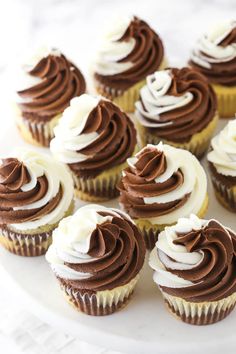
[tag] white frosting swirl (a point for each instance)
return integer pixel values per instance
(167, 255)
(69, 138)
(112, 51)
(194, 183)
(57, 175)
(156, 101)
(209, 51)
(71, 240)
(223, 154)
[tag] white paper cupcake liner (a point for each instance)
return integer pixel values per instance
(201, 313)
(226, 195)
(99, 303)
(25, 245)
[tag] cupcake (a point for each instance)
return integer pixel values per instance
(47, 84)
(160, 185)
(94, 138)
(97, 255)
(222, 165)
(194, 265)
(36, 192)
(130, 51)
(215, 57)
(178, 107)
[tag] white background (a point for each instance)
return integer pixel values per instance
(74, 27)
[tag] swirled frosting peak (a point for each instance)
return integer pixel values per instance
(35, 190)
(96, 249)
(161, 184)
(13, 174)
(175, 104)
(130, 51)
(49, 82)
(93, 135)
(215, 54)
(223, 153)
(195, 260)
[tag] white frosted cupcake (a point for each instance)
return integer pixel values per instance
(36, 192)
(177, 107)
(215, 56)
(94, 138)
(97, 255)
(130, 50)
(46, 84)
(194, 266)
(222, 163)
(160, 185)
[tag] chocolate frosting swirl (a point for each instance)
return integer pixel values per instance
(146, 56)
(60, 82)
(119, 250)
(138, 182)
(223, 73)
(214, 277)
(115, 143)
(180, 124)
(14, 175)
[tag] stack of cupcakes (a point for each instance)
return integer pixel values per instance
(97, 253)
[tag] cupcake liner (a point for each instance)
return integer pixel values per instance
(226, 195)
(30, 243)
(124, 99)
(151, 231)
(96, 189)
(36, 133)
(25, 245)
(226, 99)
(102, 187)
(197, 145)
(100, 303)
(201, 313)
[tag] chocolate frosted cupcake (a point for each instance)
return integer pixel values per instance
(222, 163)
(161, 185)
(50, 81)
(194, 266)
(178, 107)
(97, 255)
(36, 192)
(215, 57)
(131, 50)
(94, 137)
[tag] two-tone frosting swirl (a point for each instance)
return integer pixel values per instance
(161, 184)
(195, 260)
(93, 135)
(223, 153)
(51, 81)
(215, 54)
(96, 249)
(35, 191)
(175, 104)
(131, 50)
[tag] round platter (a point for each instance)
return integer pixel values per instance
(144, 326)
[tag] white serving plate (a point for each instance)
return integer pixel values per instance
(144, 326)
